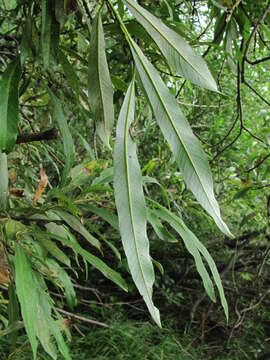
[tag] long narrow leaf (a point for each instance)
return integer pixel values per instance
(46, 32)
(186, 148)
(9, 105)
(191, 243)
(130, 203)
(183, 59)
(100, 90)
(27, 294)
(3, 181)
(65, 132)
(49, 32)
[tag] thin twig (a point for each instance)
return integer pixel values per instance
(82, 318)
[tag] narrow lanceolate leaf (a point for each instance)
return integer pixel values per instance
(131, 206)
(180, 56)
(49, 33)
(100, 90)
(67, 138)
(46, 32)
(186, 148)
(9, 105)
(27, 294)
(196, 249)
(3, 181)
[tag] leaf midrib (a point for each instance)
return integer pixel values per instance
(128, 187)
(168, 114)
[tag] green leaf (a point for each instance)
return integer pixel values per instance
(182, 58)
(46, 326)
(100, 90)
(13, 314)
(46, 32)
(130, 204)
(65, 132)
(3, 181)
(36, 307)
(26, 47)
(9, 105)
(92, 260)
(63, 278)
(159, 229)
(104, 214)
(49, 32)
(27, 294)
(70, 73)
(195, 247)
(76, 225)
(53, 249)
(186, 148)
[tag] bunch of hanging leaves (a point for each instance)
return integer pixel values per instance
(45, 235)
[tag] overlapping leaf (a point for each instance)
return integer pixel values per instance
(100, 91)
(196, 249)
(186, 149)
(76, 225)
(91, 259)
(182, 58)
(130, 204)
(27, 295)
(36, 307)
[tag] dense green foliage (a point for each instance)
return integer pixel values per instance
(111, 115)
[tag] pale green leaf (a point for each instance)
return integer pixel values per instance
(186, 148)
(180, 56)
(100, 90)
(3, 181)
(131, 206)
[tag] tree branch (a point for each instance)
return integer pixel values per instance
(41, 136)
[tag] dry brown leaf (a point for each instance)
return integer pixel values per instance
(41, 186)
(16, 192)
